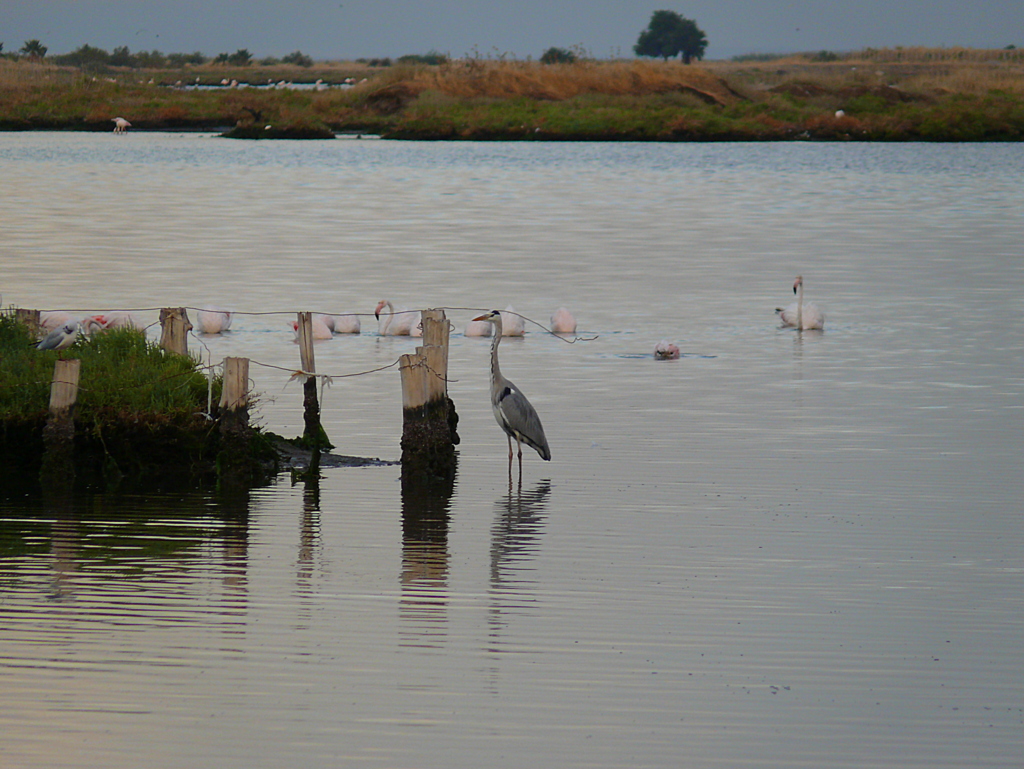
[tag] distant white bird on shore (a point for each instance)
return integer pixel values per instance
(120, 125)
(803, 317)
(213, 320)
(512, 323)
(665, 350)
(563, 322)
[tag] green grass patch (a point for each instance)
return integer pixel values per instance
(141, 412)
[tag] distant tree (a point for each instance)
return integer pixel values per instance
(33, 49)
(298, 58)
(221, 58)
(184, 59)
(149, 60)
(432, 58)
(557, 56)
(240, 58)
(669, 34)
(121, 57)
(86, 57)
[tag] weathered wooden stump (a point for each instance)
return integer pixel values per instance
(428, 414)
(174, 325)
(235, 460)
(313, 435)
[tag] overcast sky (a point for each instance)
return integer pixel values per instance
(349, 29)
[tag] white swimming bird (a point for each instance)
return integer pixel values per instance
(803, 317)
(512, 411)
(213, 320)
(346, 324)
(665, 350)
(513, 322)
(54, 319)
(563, 322)
(319, 327)
(479, 328)
(114, 319)
(397, 322)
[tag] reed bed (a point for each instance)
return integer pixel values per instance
(885, 95)
(477, 79)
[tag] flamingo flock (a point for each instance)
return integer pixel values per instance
(392, 320)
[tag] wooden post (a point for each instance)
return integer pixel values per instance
(64, 388)
(414, 381)
(428, 429)
(175, 327)
(235, 394)
(313, 435)
(30, 318)
(58, 467)
(235, 462)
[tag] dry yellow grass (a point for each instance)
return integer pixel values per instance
(920, 70)
(475, 79)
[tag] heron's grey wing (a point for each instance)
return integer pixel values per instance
(520, 418)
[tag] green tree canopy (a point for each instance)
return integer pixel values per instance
(240, 58)
(555, 55)
(669, 34)
(33, 49)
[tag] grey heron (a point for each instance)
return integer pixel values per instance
(804, 317)
(513, 412)
(59, 338)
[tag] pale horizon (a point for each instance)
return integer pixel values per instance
(354, 29)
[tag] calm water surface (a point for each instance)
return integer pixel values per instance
(780, 550)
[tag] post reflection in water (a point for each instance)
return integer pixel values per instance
(65, 538)
(426, 507)
(234, 509)
(136, 555)
(309, 534)
(515, 538)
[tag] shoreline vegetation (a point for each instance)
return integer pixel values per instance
(871, 95)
